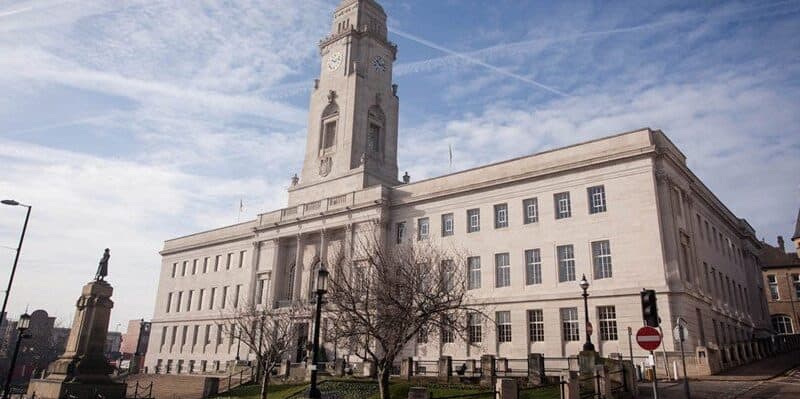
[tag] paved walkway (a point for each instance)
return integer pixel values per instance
(774, 378)
(760, 370)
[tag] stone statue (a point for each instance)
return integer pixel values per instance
(102, 268)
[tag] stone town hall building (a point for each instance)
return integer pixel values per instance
(624, 210)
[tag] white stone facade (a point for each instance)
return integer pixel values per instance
(651, 222)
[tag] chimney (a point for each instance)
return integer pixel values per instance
(781, 244)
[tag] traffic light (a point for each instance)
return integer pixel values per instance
(650, 309)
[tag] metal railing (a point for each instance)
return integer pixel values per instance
(236, 379)
(140, 391)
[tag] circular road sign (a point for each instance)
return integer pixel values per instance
(648, 338)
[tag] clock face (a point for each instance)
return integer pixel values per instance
(379, 64)
(335, 60)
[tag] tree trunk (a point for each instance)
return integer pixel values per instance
(264, 384)
(383, 382)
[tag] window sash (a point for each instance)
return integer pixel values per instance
(533, 267)
(500, 216)
(569, 324)
(536, 325)
(502, 270)
(601, 251)
(563, 206)
(607, 315)
(474, 220)
(474, 276)
(401, 231)
(503, 326)
(597, 199)
(447, 224)
(566, 263)
(423, 227)
(531, 207)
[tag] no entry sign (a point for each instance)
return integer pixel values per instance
(648, 338)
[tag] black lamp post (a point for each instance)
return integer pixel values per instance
(587, 346)
(238, 345)
(22, 326)
(322, 281)
(16, 258)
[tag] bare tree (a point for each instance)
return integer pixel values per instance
(268, 333)
(384, 296)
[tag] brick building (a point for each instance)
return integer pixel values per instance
(782, 284)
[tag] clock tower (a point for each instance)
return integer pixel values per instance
(353, 111)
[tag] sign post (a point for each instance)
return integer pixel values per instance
(680, 336)
(649, 339)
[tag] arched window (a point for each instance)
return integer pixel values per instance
(290, 283)
(328, 131)
(782, 324)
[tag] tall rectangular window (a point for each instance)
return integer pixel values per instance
(796, 282)
(194, 266)
(773, 287)
(178, 303)
(563, 205)
(329, 139)
(195, 333)
(200, 298)
(569, 324)
(474, 272)
(448, 270)
(536, 325)
(216, 262)
(607, 315)
(224, 297)
(183, 268)
(473, 220)
(260, 292)
(601, 254)
(189, 301)
(503, 326)
(374, 138)
(447, 225)
(241, 258)
(169, 301)
(236, 296)
(500, 216)
(707, 279)
(533, 267)
(211, 298)
(699, 226)
(708, 232)
(474, 328)
(566, 263)
(400, 232)
(228, 261)
(447, 336)
(502, 270)
(597, 199)
(530, 207)
(163, 338)
(423, 228)
(174, 269)
(205, 265)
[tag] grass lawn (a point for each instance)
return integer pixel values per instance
(274, 391)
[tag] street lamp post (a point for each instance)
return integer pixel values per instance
(322, 281)
(587, 346)
(16, 258)
(238, 345)
(22, 326)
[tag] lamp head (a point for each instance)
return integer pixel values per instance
(24, 322)
(584, 283)
(10, 202)
(322, 279)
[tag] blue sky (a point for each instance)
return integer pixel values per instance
(129, 122)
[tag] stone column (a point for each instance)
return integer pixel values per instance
(569, 382)
(407, 368)
(507, 388)
(254, 260)
(445, 369)
(487, 369)
(298, 269)
(536, 372)
(604, 383)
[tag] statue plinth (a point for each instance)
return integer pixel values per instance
(82, 372)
